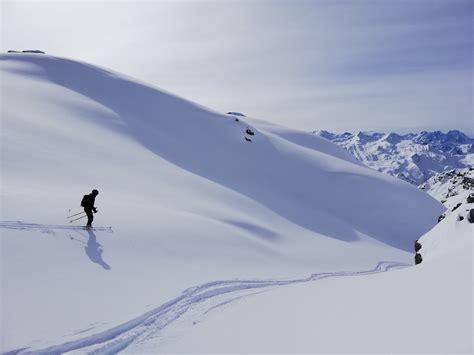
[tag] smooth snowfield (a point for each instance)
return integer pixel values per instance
(144, 333)
(189, 200)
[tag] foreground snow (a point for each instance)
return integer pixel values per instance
(145, 333)
(421, 309)
(190, 202)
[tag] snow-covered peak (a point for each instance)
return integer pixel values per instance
(436, 137)
(392, 138)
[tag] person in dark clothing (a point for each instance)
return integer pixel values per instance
(88, 202)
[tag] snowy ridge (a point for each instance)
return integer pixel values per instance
(143, 329)
(450, 183)
(452, 188)
(413, 157)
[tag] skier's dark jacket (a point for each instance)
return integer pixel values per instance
(88, 201)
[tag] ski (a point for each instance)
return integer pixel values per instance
(34, 226)
(107, 229)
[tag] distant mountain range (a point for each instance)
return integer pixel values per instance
(414, 157)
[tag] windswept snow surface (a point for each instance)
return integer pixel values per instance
(189, 200)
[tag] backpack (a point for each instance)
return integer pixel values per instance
(418, 259)
(85, 201)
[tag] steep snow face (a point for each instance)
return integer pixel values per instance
(414, 157)
(304, 183)
(190, 200)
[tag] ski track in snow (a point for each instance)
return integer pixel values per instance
(148, 325)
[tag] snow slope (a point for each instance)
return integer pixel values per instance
(413, 157)
(190, 202)
(422, 309)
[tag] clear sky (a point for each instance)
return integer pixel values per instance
(391, 65)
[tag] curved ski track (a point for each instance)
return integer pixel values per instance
(149, 324)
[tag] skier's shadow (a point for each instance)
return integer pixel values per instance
(94, 250)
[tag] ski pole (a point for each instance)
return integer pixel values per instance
(77, 218)
(77, 214)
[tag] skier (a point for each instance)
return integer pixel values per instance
(88, 202)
